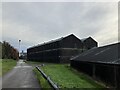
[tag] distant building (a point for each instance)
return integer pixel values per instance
(23, 55)
(58, 51)
(102, 63)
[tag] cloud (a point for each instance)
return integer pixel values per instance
(36, 23)
(119, 22)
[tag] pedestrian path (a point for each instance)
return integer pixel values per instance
(22, 76)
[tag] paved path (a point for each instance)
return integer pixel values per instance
(21, 76)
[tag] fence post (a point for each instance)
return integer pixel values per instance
(94, 71)
(115, 73)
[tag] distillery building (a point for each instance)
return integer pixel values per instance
(59, 50)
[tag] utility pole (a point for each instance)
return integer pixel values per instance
(19, 47)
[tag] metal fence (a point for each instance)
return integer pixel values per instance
(53, 85)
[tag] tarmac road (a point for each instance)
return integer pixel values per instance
(22, 76)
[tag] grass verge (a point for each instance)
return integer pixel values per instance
(7, 65)
(42, 81)
(33, 63)
(65, 77)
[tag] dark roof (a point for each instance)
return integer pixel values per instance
(105, 54)
(59, 39)
(84, 39)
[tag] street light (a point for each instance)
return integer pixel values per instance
(19, 47)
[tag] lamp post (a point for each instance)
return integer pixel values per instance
(19, 47)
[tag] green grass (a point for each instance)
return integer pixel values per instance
(7, 65)
(65, 77)
(33, 63)
(42, 81)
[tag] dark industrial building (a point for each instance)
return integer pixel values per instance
(102, 63)
(59, 50)
(88, 43)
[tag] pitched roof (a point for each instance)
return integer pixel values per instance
(84, 39)
(87, 39)
(59, 39)
(105, 54)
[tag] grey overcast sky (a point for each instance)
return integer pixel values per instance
(38, 22)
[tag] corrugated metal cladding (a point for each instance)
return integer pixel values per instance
(60, 50)
(102, 63)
